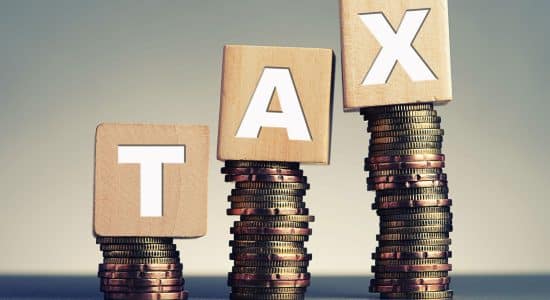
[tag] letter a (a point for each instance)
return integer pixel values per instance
(291, 116)
(396, 47)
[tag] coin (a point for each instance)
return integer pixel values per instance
(133, 240)
(269, 283)
(411, 281)
(140, 267)
(412, 248)
(413, 210)
(142, 282)
(279, 204)
(423, 216)
(147, 296)
(427, 242)
(405, 197)
(407, 139)
(266, 237)
(270, 257)
(426, 164)
(412, 255)
(271, 224)
(401, 114)
(396, 108)
(137, 261)
(140, 253)
(411, 203)
(271, 185)
(417, 229)
(408, 288)
(266, 244)
(413, 192)
(268, 270)
(261, 171)
(404, 146)
(412, 236)
(141, 289)
(412, 268)
(273, 263)
(271, 230)
(405, 152)
(267, 178)
(292, 218)
(143, 247)
(409, 275)
(406, 178)
(404, 126)
(264, 198)
(261, 164)
(417, 157)
(406, 185)
(266, 296)
(254, 276)
(268, 211)
(274, 192)
(269, 290)
(140, 274)
(418, 295)
(264, 250)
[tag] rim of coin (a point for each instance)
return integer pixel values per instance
(406, 178)
(406, 139)
(253, 276)
(413, 210)
(417, 229)
(279, 204)
(141, 253)
(267, 211)
(409, 275)
(408, 288)
(271, 185)
(396, 108)
(141, 289)
(269, 283)
(293, 218)
(271, 224)
(425, 164)
(411, 203)
(140, 267)
(130, 247)
(403, 126)
(412, 255)
(274, 263)
(261, 171)
(406, 184)
(418, 295)
(147, 296)
(138, 282)
(403, 158)
(405, 146)
(266, 178)
(265, 198)
(268, 270)
(261, 164)
(133, 240)
(401, 114)
(437, 280)
(271, 230)
(270, 257)
(268, 192)
(412, 268)
(140, 274)
(271, 237)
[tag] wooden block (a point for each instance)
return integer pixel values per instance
(276, 104)
(394, 52)
(151, 180)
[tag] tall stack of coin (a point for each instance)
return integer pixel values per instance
(140, 268)
(270, 261)
(405, 166)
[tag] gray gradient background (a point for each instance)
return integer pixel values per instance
(65, 66)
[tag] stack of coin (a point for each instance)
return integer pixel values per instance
(140, 268)
(405, 166)
(270, 261)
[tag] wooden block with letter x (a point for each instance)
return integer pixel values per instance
(395, 52)
(151, 180)
(276, 104)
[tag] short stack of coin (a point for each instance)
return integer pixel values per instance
(270, 261)
(140, 268)
(405, 166)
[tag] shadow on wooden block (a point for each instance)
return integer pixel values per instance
(276, 104)
(151, 180)
(395, 52)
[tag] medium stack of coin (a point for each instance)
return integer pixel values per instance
(140, 268)
(405, 166)
(270, 261)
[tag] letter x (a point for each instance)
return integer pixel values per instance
(396, 47)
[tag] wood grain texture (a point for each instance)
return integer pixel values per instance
(117, 186)
(311, 71)
(360, 48)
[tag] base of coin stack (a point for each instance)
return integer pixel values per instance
(405, 166)
(270, 260)
(140, 268)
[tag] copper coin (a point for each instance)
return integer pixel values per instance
(412, 268)
(269, 283)
(413, 210)
(430, 242)
(412, 236)
(270, 230)
(266, 296)
(141, 253)
(268, 211)
(412, 248)
(264, 198)
(140, 274)
(140, 267)
(141, 289)
(268, 192)
(412, 203)
(269, 257)
(418, 295)
(273, 204)
(268, 270)
(412, 255)
(409, 281)
(406, 185)
(409, 132)
(292, 218)
(417, 229)
(407, 139)
(287, 224)
(404, 126)
(374, 110)
(410, 275)
(417, 157)
(254, 276)
(406, 178)
(271, 237)
(268, 251)
(267, 178)
(408, 288)
(137, 261)
(261, 171)
(142, 282)
(427, 164)
(273, 292)
(140, 247)
(414, 261)
(261, 164)
(265, 244)
(147, 296)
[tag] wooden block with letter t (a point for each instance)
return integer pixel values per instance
(395, 52)
(151, 180)
(276, 104)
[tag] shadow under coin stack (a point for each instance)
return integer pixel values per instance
(140, 268)
(405, 169)
(270, 261)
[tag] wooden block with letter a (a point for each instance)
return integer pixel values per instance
(395, 52)
(276, 104)
(151, 180)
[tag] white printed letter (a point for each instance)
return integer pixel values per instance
(396, 47)
(151, 159)
(291, 116)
